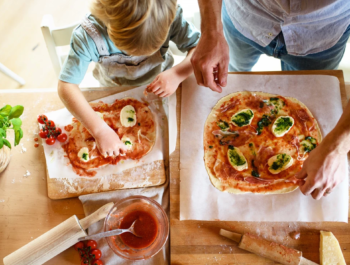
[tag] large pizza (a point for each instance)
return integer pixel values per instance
(131, 119)
(257, 142)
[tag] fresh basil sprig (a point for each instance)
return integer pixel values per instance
(9, 119)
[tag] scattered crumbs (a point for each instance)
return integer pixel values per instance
(13, 181)
(23, 148)
(27, 174)
(2, 200)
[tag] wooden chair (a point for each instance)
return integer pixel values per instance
(55, 39)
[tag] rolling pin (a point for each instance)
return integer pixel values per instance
(56, 240)
(267, 249)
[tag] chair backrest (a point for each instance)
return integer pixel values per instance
(54, 38)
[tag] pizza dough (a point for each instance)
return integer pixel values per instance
(139, 136)
(257, 142)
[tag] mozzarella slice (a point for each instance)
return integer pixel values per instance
(243, 117)
(99, 114)
(83, 154)
(279, 162)
(128, 143)
(128, 116)
(308, 144)
(236, 158)
(282, 125)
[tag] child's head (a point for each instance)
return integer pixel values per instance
(138, 27)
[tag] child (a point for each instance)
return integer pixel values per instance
(129, 41)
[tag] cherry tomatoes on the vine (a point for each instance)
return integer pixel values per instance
(58, 131)
(97, 262)
(43, 134)
(50, 124)
(79, 245)
(85, 261)
(62, 137)
(42, 119)
(96, 254)
(91, 243)
(50, 140)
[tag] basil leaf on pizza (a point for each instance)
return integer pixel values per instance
(257, 142)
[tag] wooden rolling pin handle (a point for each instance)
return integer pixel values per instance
(96, 216)
(267, 249)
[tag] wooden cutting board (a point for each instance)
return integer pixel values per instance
(40, 101)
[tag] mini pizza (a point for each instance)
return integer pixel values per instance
(131, 119)
(257, 142)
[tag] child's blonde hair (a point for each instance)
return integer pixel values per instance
(138, 27)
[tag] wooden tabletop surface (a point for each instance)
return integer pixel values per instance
(26, 212)
(199, 242)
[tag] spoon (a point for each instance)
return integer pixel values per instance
(114, 232)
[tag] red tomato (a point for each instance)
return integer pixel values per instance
(43, 134)
(79, 245)
(50, 124)
(97, 262)
(62, 137)
(58, 131)
(50, 140)
(91, 243)
(85, 261)
(96, 254)
(42, 119)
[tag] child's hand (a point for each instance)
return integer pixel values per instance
(165, 83)
(108, 142)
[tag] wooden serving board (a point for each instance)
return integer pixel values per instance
(41, 101)
(199, 242)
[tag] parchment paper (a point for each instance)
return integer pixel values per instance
(199, 200)
(59, 166)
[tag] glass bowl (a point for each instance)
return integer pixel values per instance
(126, 206)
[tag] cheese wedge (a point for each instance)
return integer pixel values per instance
(282, 125)
(83, 154)
(243, 117)
(128, 116)
(236, 158)
(279, 162)
(330, 251)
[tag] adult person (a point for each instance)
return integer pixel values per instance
(304, 35)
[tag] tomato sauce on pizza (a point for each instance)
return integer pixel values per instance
(257, 142)
(139, 137)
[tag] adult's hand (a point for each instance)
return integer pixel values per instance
(319, 174)
(210, 61)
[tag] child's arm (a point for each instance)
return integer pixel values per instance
(167, 82)
(107, 140)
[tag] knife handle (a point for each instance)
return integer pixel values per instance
(96, 216)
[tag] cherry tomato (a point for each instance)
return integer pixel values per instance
(79, 245)
(62, 138)
(85, 261)
(43, 134)
(96, 254)
(91, 243)
(58, 131)
(97, 262)
(50, 140)
(42, 119)
(50, 124)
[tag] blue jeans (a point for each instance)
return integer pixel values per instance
(244, 53)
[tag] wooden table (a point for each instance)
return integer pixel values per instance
(199, 242)
(26, 212)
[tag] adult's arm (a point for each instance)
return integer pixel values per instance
(319, 173)
(212, 52)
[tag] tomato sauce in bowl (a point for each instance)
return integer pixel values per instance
(151, 224)
(146, 227)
